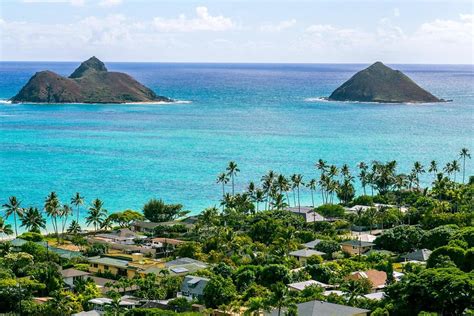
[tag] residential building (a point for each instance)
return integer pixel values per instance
(355, 247)
(193, 287)
(312, 244)
(308, 214)
(71, 275)
(122, 236)
(302, 255)
(300, 286)
(376, 277)
(114, 266)
(320, 308)
(420, 255)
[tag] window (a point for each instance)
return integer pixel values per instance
(95, 265)
(106, 268)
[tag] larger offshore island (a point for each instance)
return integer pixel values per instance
(91, 82)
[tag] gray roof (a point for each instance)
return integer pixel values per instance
(194, 284)
(312, 244)
(89, 313)
(109, 261)
(300, 286)
(70, 273)
(145, 224)
(306, 253)
(418, 255)
(357, 243)
(183, 261)
(320, 308)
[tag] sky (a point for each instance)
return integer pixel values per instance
(304, 31)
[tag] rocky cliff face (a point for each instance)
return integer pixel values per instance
(91, 82)
(379, 83)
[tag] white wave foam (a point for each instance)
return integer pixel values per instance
(5, 102)
(319, 99)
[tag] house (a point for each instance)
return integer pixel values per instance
(115, 266)
(365, 237)
(100, 304)
(71, 275)
(122, 236)
(89, 313)
(355, 247)
(308, 214)
(193, 287)
(419, 255)
(102, 285)
(144, 226)
(312, 244)
(165, 246)
(180, 266)
(376, 277)
(377, 296)
(320, 308)
(302, 255)
(300, 286)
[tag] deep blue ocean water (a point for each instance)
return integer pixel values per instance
(263, 116)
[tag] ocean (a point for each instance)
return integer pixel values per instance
(263, 116)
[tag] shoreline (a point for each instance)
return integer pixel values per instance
(92, 103)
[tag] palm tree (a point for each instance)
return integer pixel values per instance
(279, 202)
(96, 214)
(13, 207)
(33, 220)
(259, 197)
(448, 169)
(267, 185)
(463, 155)
(297, 182)
(232, 170)
(455, 167)
(66, 210)
(433, 168)
(52, 207)
(312, 187)
(5, 228)
(280, 297)
(77, 200)
(74, 228)
(283, 185)
(417, 170)
(222, 178)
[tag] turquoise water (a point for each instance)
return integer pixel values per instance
(262, 116)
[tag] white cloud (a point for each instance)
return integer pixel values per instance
(396, 12)
(202, 22)
(71, 2)
(269, 27)
(109, 3)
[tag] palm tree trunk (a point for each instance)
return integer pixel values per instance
(312, 197)
(14, 218)
(299, 204)
(463, 168)
(232, 184)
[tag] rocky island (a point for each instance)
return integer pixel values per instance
(379, 83)
(91, 82)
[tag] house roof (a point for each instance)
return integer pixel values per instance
(378, 278)
(70, 273)
(145, 224)
(357, 243)
(306, 253)
(418, 255)
(89, 313)
(366, 237)
(300, 286)
(168, 241)
(312, 243)
(184, 260)
(109, 261)
(194, 284)
(320, 308)
(375, 296)
(18, 242)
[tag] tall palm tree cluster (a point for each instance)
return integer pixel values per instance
(33, 219)
(277, 191)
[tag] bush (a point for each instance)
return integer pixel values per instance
(328, 247)
(219, 291)
(31, 236)
(331, 210)
(158, 211)
(456, 255)
(363, 200)
(439, 236)
(180, 304)
(401, 239)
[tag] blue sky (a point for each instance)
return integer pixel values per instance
(238, 31)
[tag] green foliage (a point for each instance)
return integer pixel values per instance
(446, 291)
(180, 304)
(190, 250)
(401, 239)
(438, 236)
(465, 234)
(39, 253)
(432, 219)
(156, 312)
(18, 262)
(273, 273)
(456, 255)
(31, 236)
(125, 218)
(158, 211)
(96, 249)
(319, 272)
(363, 200)
(328, 247)
(219, 291)
(331, 210)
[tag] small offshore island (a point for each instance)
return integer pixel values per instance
(91, 82)
(382, 84)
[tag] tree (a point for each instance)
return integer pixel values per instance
(13, 208)
(66, 210)
(433, 168)
(96, 214)
(232, 170)
(279, 297)
(447, 291)
(219, 291)
(297, 180)
(331, 210)
(52, 207)
(74, 228)
(456, 254)
(353, 288)
(5, 228)
(125, 218)
(401, 239)
(224, 179)
(63, 303)
(463, 155)
(77, 200)
(33, 220)
(328, 247)
(439, 236)
(158, 211)
(312, 187)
